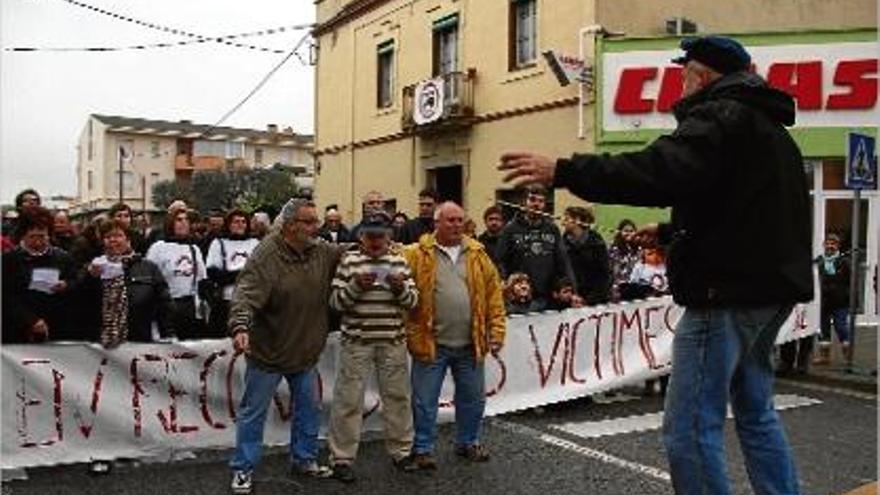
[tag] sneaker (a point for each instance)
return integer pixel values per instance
(311, 469)
(406, 463)
(424, 462)
(242, 482)
(100, 468)
(474, 453)
(343, 473)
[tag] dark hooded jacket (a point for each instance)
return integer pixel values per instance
(740, 228)
(535, 249)
(589, 262)
(415, 228)
(342, 235)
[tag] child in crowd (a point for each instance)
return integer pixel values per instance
(648, 277)
(623, 255)
(564, 296)
(518, 294)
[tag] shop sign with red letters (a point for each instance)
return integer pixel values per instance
(833, 84)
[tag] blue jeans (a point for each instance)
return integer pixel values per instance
(470, 399)
(839, 318)
(721, 356)
(259, 388)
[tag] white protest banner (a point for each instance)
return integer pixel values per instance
(77, 402)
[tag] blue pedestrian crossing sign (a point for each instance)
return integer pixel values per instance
(861, 161)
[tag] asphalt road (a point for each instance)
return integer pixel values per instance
(576, 447)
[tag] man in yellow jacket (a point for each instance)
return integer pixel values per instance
(458, 320)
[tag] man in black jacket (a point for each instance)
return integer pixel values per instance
(422, 224)
(493, 217)
(532, 244)
(588, 254)
(333, 229)
(732, 174)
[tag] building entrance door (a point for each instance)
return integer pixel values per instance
(447, 181)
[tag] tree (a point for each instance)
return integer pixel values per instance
(266, 189)
(249, 190)
(167, 191)
(212, 190)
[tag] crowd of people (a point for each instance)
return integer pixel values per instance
(116, 277)
(176, 280)
(542, 266)
(121, 279)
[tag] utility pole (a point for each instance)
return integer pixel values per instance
(121, 155)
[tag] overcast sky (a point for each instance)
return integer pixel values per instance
(45, 97)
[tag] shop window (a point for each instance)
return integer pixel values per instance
(810, 174)
(833, 174)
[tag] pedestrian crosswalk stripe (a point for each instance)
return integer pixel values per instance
(570, 446)
(653, 421)
(834, 390)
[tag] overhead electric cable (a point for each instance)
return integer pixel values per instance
(172, 44)
(259, 85)
(165, 29)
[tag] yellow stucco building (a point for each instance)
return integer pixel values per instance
(497, 90)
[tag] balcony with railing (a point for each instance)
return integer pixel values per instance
(421, 112)
(207, 162)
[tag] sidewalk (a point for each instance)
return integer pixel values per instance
(870, 489)
(863, 374)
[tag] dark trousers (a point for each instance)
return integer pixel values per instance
(795, 355)
(183, 318)
(218, 319)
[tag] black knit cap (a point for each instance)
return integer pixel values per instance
(720, 53)
(376, 223)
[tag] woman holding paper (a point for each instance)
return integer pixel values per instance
(134, 293)
(37, 278)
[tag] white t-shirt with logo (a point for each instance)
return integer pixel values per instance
(175, 261)
(237, 253)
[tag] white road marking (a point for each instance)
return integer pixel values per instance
(826, 388)
(653, 421)
(605, 457)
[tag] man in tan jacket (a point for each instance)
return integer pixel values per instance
(458, 320)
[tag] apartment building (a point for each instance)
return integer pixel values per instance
(151, 151)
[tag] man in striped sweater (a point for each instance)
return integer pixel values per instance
(373, 288)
